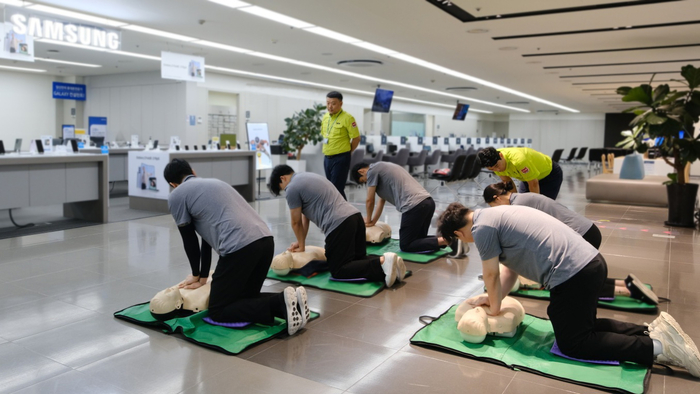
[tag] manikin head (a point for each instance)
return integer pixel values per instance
(280, 178)
(359, 173)
(498, 194)
(492, 159)
(456, 222)
(334, 102)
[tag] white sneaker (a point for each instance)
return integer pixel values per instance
(293, 315)
(303, 305)
(388, 268)
(400, 267)
(678, 348)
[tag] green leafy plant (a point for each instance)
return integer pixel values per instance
(666, 113)
(303, 128)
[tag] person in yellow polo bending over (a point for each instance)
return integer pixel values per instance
(536, 171)
(340, 138)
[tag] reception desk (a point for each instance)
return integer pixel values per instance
(78, 181)
(118, 161)
(149, 191)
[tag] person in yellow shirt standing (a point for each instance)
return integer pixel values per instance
(537, 171)
(340, 138)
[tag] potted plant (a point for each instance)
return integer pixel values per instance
(669, 117)
(303, 128)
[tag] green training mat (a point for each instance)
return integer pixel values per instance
(529, 350)
(393, 246)
(620, 303)
(323, 281)
(194, 329)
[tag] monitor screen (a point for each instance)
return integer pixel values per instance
(382, 100)
(427, 147)
(460, 111)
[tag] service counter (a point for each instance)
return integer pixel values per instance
(149, 191)
(79, 181)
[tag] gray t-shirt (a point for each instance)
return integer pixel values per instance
(396, 185)
(220, 215)
(319, 200)
(578, 223)
(531, 243)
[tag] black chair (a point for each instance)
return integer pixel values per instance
(571, 155)
(417, 160)
(557, 155)
(432, 160)
(580, 156)
(450, 158)
(401, 158)
(357, 157)
(452, 175)
(375, 158)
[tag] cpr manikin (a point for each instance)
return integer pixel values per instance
(167, 304)
(285, 262)
(474, 323)
(378, 233)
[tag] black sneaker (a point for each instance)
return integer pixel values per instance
(638, 290)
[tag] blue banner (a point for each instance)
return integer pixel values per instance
(69, 91)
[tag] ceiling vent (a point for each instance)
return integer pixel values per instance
(360, 63)
(458, 88)
(548, 111)
(517, 102)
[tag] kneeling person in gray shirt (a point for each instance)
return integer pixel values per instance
(394, 184)
(541, 248)
(244, 243)
(312, 197)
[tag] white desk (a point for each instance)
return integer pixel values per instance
(149, 191)
(78, 181)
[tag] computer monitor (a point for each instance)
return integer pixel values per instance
(391, 148)
(98, 141)
(369, 148)
(382, 100)
(427, 147)
(18, 145)
(460, 111)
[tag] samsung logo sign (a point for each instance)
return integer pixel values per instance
(66, 32)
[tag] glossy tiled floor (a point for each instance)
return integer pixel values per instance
(58, 292)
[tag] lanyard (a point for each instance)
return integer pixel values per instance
(187, 177)
(328, 129)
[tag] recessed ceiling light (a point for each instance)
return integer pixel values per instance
(23, 69)
(359, 63)
(507, 48)
(478, 31)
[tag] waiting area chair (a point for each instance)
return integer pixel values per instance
(557, 155)
(572, 154)
(417, 161)
(446, 176)
(432, 160)
(373, 159)
(401, 157)
(357, 157)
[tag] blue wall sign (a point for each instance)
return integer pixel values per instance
(69, 91)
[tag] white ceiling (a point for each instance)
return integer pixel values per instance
(416, 28)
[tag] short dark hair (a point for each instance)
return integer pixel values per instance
(177, 170)
(496, 189)
(454, 218)
(335, 95)
(276, 178)
(354, 172)
(488, 156)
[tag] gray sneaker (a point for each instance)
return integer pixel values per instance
(388, 268)
(678, 348)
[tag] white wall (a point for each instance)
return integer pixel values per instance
(27, 109)
(140, 103)
(564, 131)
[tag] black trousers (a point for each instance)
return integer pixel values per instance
(593, 236)
(235, 288)
(337, 168)
(413, 234)
(549, 185)
(346, 252)
(572, 311)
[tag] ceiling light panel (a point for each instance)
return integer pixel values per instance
(75, 15)
(277, 17)
(65, 62)
(223, 46)
(375, 48)
(159, 33)
(332, 34)
(16, 3)
(22, 69)
(231, 3)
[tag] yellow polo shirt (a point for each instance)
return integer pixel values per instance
(525, 164)
(339, 129)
